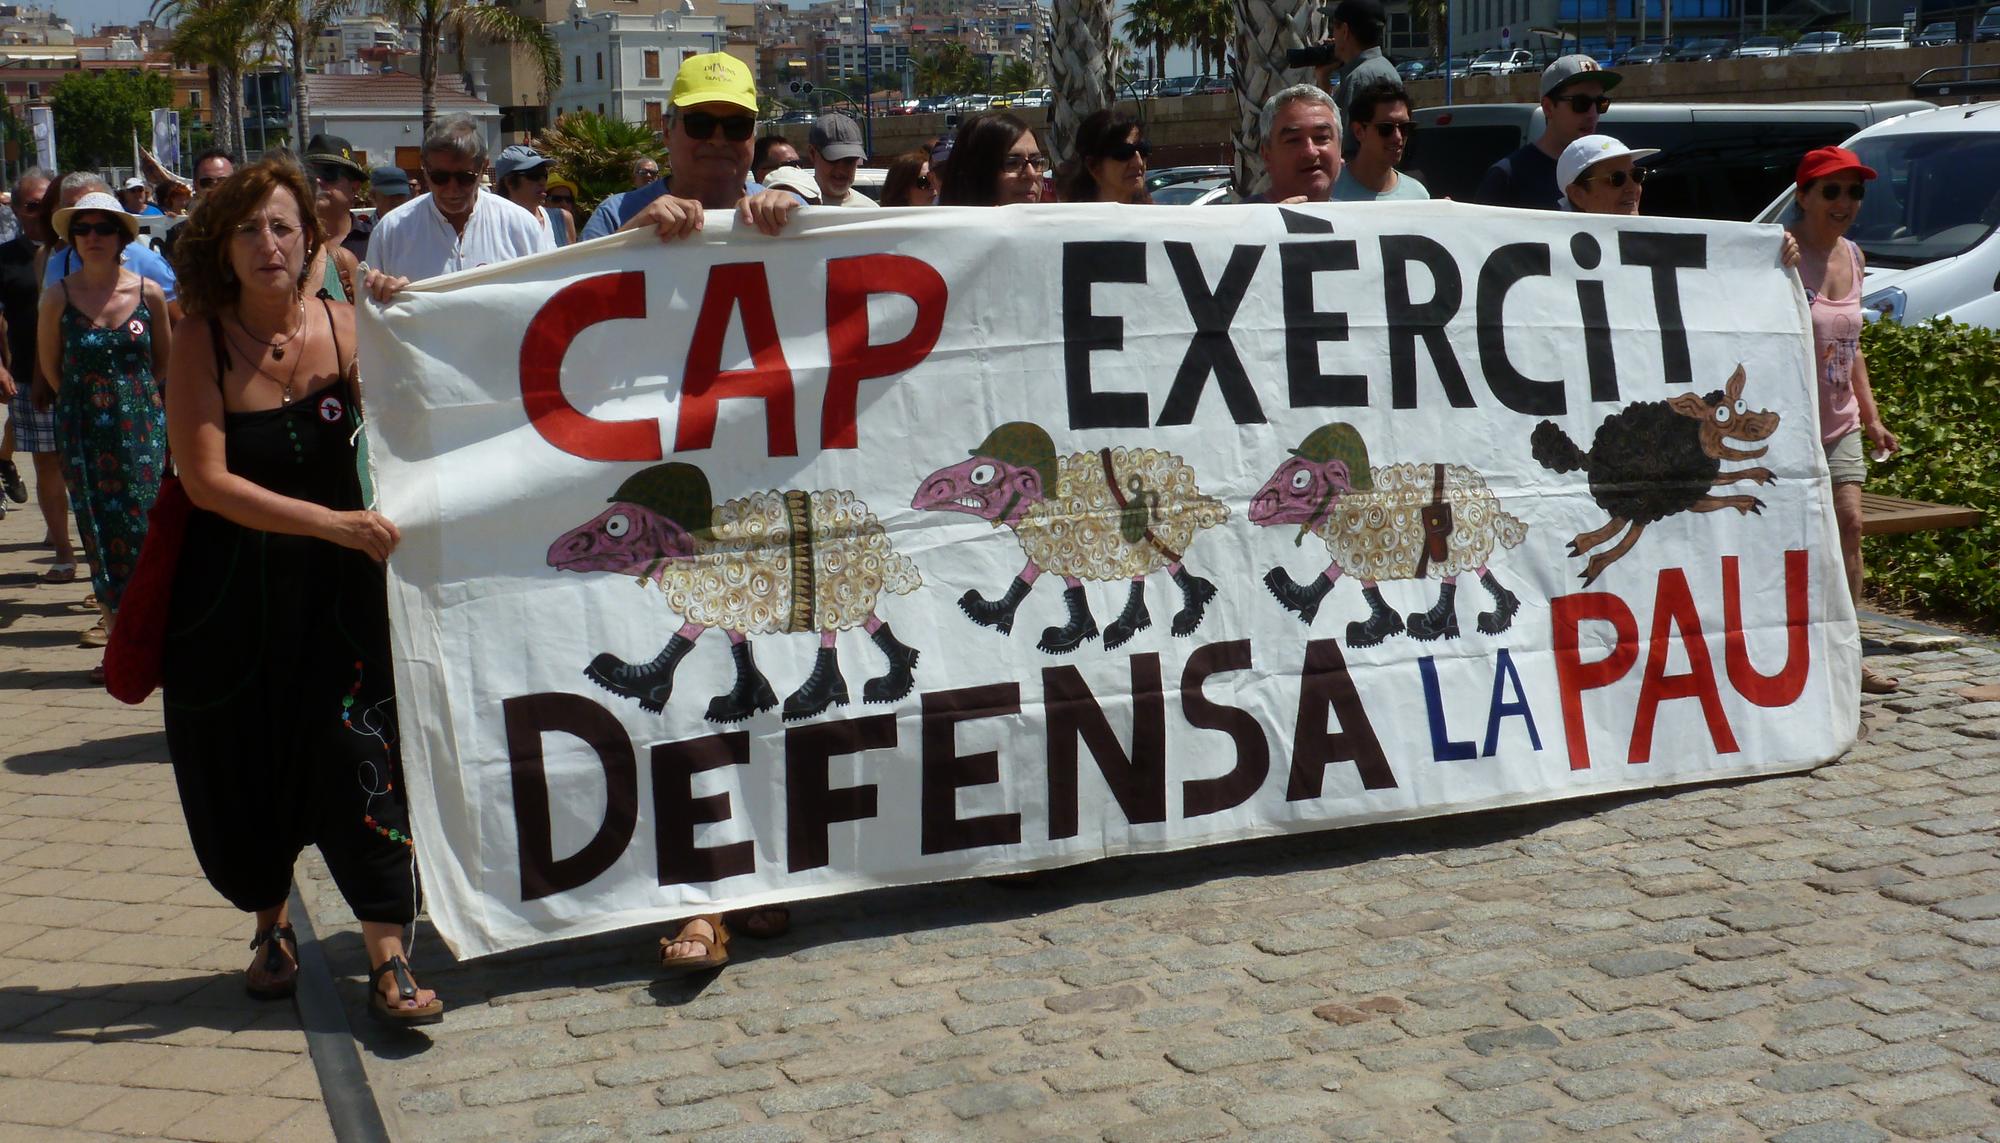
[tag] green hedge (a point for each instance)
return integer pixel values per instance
(1938, 387)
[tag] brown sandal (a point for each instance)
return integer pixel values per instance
(406, 989)
(717, 947)
(1876, 683)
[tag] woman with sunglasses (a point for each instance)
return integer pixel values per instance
(103, 338)
(1379, 117)
(995, 161)
(1831, 184)
(908, 182)
(277, 690)
(1110, 163)
(561, 197)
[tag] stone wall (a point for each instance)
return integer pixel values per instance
(1196, 129)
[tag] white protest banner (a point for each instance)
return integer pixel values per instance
(1036, 535)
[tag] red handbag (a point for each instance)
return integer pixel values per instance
(139, 637)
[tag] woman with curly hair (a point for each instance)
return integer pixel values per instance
(103, 337)
(280, 712)
(1110, 162)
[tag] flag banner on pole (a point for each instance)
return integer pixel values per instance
(167, 137)
(42, 124)
(942, 543)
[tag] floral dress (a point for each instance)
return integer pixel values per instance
(111, 430)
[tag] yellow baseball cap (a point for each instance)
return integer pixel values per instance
(714, 77)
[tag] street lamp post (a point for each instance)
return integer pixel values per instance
(867, 84)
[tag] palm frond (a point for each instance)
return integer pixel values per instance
(496, 25)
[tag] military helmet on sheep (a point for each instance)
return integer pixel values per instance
(1025, 444)
(675, 490)
(1342, 442)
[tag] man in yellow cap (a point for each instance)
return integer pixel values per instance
(711, 122)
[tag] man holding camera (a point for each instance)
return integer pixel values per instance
(1573, 97)
(1354, 40)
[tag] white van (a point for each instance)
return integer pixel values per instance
(1928, 224)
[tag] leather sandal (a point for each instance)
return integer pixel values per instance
(406, 989)
(1875, 683)
(277, 958)
(716, 948)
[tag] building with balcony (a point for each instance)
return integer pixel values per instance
(622, 65)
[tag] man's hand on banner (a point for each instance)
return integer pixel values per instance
(769, 210)
(668, 216)
(364, 531)
(383, 287)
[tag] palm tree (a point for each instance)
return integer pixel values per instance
(1265, 31)
(1083, 61)
(1207, 27)
(465, 20)
(218, 36)
(1149, 28)
(1430, 15)
(300, 23)
(597, 152)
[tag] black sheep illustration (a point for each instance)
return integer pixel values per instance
(1654, 459)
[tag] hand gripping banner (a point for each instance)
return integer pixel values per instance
(929, 544)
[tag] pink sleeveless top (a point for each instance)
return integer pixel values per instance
(1836, 325)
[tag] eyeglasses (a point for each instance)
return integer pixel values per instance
(1831, 191)
(331, 172)
(101, 229)
(1581, 104)
(207, 181)
(1404, 128)
(563, 199)
(701, 125)
(1123, 152)
(1015, 164)
(449, 178)
(1618, 178)
(923, 182)
(536, 175)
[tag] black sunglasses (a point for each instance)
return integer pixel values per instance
(923, 182)
(1618, 178)
(207, 181)
(1123, 152)
(1831, 191)
(447, 178)
(1583, 103)
(101, 229)
(701, 125)
(1404, 128)
(561, 199)
(331, 172)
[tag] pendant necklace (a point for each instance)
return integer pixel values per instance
(285, 385)
(277, 345)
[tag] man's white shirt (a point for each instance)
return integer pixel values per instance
(415, 241)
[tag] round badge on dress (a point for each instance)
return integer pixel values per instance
(137, 327)
(330, 410)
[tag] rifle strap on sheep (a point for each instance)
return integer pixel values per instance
(1118, 495)
(1437, 525)
(799, 544)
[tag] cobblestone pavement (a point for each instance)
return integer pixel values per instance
(1808, 958)
(122, 1011)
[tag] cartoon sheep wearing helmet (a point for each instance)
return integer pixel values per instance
(1404, 521)
(767, 563)
(1113, 514)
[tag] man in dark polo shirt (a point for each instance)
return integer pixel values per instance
(1573, 97)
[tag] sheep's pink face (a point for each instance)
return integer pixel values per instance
(1300, 492)
(622, 538)
(990, 489)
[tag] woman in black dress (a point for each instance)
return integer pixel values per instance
(280, 705)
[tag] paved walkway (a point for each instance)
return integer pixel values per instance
(122, 1011)
(1810, 958)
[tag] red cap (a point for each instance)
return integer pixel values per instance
(1830, 161)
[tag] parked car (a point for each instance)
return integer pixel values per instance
(1819, 43)
(1033, 97)
(1163, 177)
(1643, 54)
(1928, 224)
(1988, 27)
(1701, 51)
(1189, 192)
(1938, 34)
(1502, 61)
(1178, 85)
(1717, 160)
(1883, 39)
(1413, 70)
(798, 115)
(1760, 47)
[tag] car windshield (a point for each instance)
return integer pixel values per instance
(1763, 42)
(1181, 194)
(1498, 55)
(1885, 33)
(1937, 195)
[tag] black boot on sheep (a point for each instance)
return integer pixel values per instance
(823, 688)
(1195, 594)
(1134, 619)
(900, 680)
(752, 693)
(1441, 621)
(1071, 635)
(1301, 601)
(995, 613)
(651, 683)
(1505, 604)
(1380, 624)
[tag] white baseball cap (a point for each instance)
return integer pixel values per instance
(1586, 152)
(134, 183)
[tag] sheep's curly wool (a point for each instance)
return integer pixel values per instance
(764, 568)
(1076, 530)
(1379, 534)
